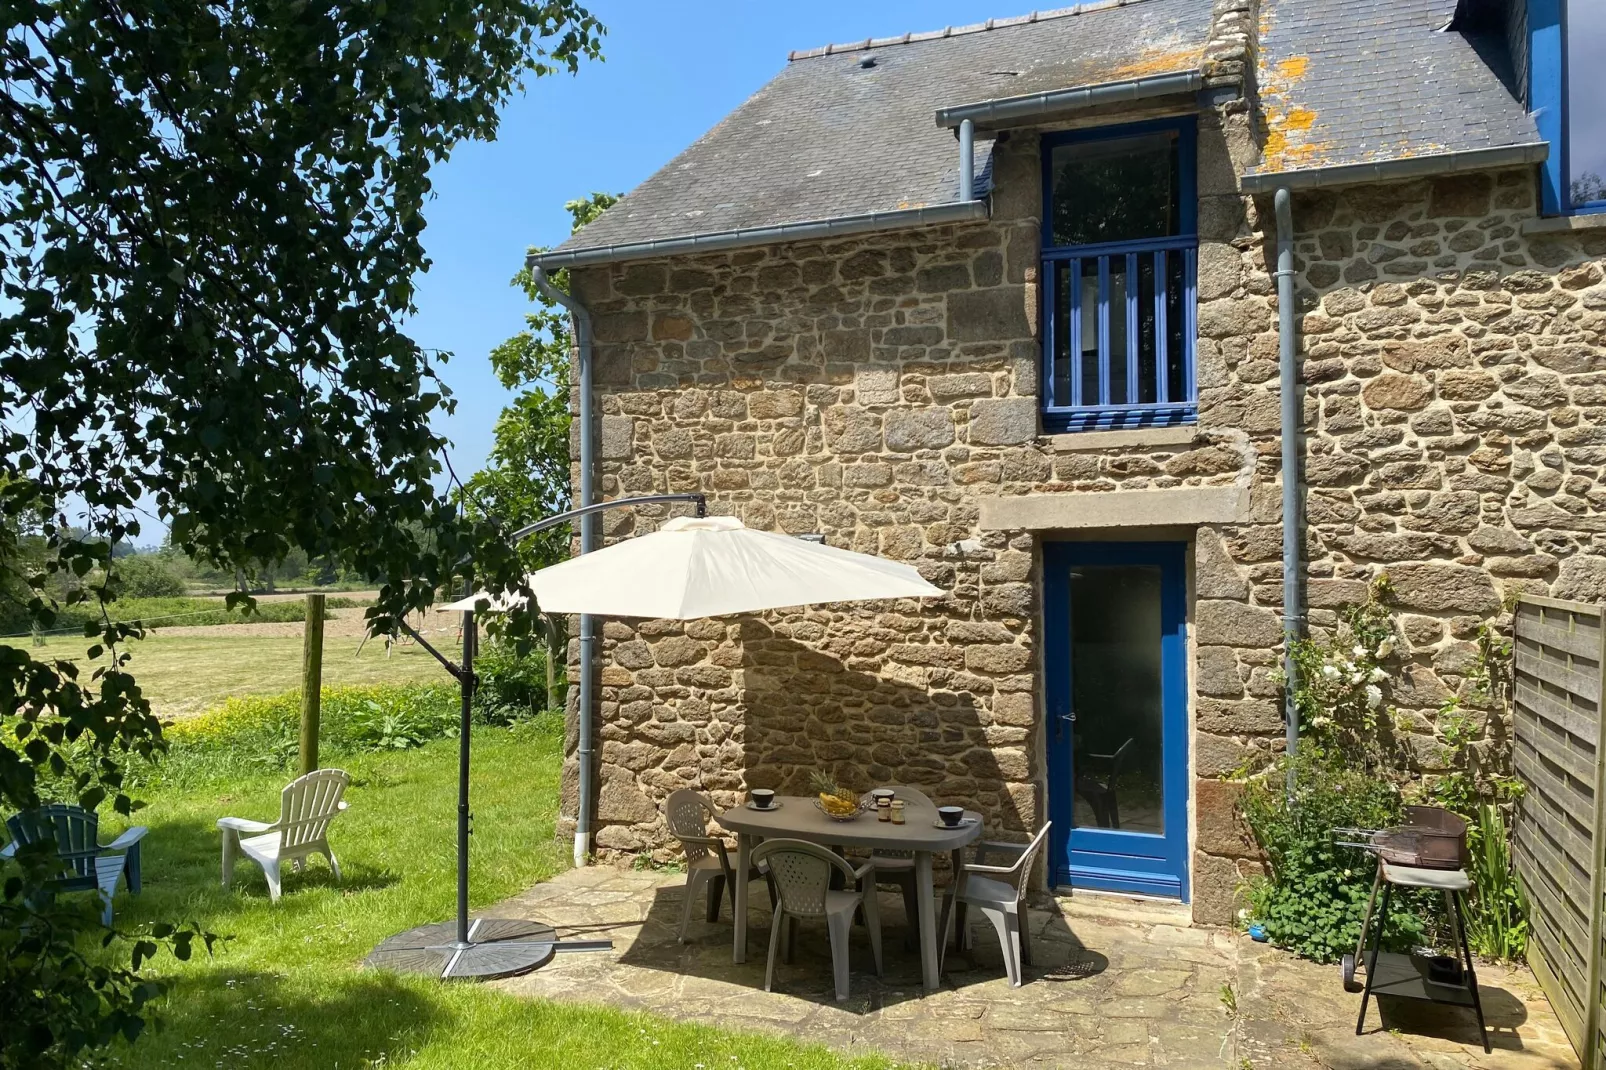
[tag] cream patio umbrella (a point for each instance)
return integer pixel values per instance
(710, 567)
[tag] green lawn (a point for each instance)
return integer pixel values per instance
(184, 675)
(286, 990)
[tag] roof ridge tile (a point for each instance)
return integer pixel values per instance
(956, 31)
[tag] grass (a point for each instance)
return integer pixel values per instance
(183, 675)
(285, 989)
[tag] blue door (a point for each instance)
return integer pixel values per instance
(1115, 660)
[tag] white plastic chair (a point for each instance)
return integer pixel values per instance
(999, 892)
(306, 806)
(686, 813)
(801, 873)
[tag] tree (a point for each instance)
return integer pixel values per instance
(210, 223)
(528, 477)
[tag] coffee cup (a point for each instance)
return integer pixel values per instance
(950, 815)
(881, 793)
(763, 798)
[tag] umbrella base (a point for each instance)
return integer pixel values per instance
(496, 947)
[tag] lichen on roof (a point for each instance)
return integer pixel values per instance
(1363, 81)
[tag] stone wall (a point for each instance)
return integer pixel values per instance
(874, 390)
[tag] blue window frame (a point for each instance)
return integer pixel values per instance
(1120, 264)
(1566, 83)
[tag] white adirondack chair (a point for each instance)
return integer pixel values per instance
(306, 806)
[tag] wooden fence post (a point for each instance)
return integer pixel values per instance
(311, 681)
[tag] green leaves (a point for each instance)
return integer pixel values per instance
(211, 219)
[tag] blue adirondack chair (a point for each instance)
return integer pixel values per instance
(86, 864)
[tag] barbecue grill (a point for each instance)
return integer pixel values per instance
(1428, 851)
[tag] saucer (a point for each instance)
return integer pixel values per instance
(776, 805)
(964, 822)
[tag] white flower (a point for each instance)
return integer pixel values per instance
(1377, 675)
(1356, 678)
(1374, 696)
(1330, 671)
(1359, 651)
(1386, 647)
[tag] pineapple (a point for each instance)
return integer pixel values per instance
(835, 800)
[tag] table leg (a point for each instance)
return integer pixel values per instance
(928, 921)
(744, 854)
(950, 907)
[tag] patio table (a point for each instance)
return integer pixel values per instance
(796, 817)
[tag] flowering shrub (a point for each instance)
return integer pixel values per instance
(1339, 699)
(1353, 771)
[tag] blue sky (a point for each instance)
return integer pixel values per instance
(671, 71)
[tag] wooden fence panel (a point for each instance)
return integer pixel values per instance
(1557, 842)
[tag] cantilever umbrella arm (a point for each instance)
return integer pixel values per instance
(575, 514)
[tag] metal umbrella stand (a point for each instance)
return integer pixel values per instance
(484, 948)
(480, 948)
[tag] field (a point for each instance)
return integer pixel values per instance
(185, 670)
(285, 988)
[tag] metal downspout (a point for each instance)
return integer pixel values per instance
(967, 161)
(1288, 373)
(584, 818)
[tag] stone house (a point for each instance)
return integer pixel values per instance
(1048, 374)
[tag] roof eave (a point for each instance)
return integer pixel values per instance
(839, 226)
(1007, 110)
(1441, 163)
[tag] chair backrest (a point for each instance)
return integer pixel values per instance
(686, 813)
(1023, 865)
(307, 805)
(74, 830)
(1119, 759)
(802, 874)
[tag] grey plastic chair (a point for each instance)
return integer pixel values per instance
(999, 892)
(897, 868)
(708, 864)
(801, 873)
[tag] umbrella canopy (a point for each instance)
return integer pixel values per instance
(711, 567)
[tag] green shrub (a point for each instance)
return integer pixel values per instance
(511, 687)
(1312, 900)
(262, 732)
(146, 576)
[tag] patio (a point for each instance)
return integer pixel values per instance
(1115, 983)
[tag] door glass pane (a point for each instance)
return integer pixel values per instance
(1090, 332)
(1120, 189)
(1116, 697)
(1175, 265)
(1146, 325)
(1586, 89)
(1117, 330)
(1062, 333)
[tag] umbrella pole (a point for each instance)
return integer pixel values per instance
(464, 819)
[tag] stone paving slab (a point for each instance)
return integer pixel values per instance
(1114, 984)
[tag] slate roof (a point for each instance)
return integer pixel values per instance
(829, 137)
(1362, 81)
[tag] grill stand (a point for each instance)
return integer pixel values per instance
(1389, 973)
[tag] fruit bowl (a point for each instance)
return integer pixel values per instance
(847, 810)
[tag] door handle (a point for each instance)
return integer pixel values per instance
(1061, 720)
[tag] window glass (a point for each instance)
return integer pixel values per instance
(1586, 101)
(1122, 189)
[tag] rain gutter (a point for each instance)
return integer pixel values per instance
(837, 227)
(1442, 163)
(1007, 110)
(1288, 387)
(586, 727)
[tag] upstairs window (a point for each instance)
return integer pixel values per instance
(1567, 94)
(1119, 263)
